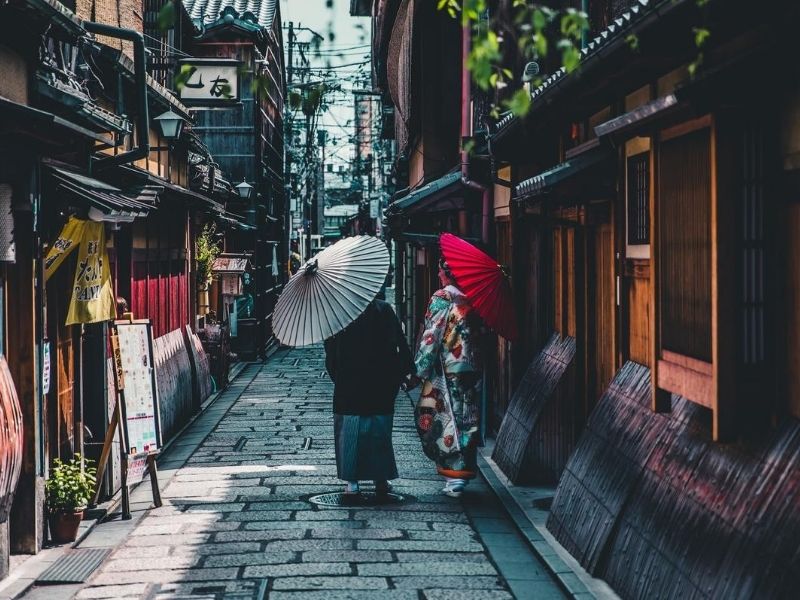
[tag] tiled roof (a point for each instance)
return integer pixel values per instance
(539, 184)
(616, 30)
(209, 10)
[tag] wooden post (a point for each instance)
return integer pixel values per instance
(152, 468)
(661, 399)
(27, 520)
(106, 452)
(126, 499)
(724, 154)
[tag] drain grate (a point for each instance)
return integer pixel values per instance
(75, 566)
(337, 499)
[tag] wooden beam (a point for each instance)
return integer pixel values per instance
(661, 399)
(692, 385)
(27, 514)
(724, 324)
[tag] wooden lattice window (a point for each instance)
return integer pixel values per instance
(638, 199)
(685, 245)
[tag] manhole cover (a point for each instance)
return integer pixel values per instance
(334, 499)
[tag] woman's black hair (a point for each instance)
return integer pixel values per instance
(446, 268)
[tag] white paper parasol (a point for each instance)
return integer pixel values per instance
(330, 291)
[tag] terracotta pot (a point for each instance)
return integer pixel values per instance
(64, 525)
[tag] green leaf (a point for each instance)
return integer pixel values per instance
(540, 45)
(182, 77)
(701, 35)
(519, 103)
(570, 55)
(633, 42)
(166, 17)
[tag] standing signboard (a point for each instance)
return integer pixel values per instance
(136, 412)
(139, 391)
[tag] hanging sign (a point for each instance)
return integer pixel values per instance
(209, 81)
(68, 240)
(46, 367)
(136, 383)
(374, 208)
(92, 299)
(231, 284)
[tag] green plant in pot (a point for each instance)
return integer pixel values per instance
(68, 491)
(206, 252)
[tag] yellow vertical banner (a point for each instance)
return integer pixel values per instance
(69, 239)
(92, 297)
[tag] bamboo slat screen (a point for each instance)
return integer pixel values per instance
(638, 199)
(684, 200)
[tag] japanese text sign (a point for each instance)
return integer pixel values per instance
(209, 81)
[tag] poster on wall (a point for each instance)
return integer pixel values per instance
(136, 382)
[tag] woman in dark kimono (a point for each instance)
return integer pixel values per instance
(367, 362)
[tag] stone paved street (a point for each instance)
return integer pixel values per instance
(235, 521)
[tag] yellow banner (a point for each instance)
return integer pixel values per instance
(70, 238)
(92, 296)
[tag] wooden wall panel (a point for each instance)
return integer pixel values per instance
(604, 308)
(638, 320)
(558, 281)
(569, 266)
(792, 378)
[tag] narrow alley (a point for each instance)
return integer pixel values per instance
(236, 522)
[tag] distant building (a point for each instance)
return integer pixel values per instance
(336, 218)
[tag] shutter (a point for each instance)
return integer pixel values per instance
(8, 249)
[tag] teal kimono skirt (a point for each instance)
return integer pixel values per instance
(364, 447)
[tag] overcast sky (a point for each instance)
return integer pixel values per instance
(345, 42)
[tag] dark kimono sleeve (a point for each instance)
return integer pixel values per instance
(405, 360)
(331, 351)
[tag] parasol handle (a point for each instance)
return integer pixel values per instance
(311, 267)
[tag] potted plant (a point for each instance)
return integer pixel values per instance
(68, 491)
(206, 252)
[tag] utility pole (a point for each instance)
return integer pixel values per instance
(307, 204)
(287, 146)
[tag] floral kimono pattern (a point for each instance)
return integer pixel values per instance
(448, 411)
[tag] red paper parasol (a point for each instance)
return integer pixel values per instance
(484, 283)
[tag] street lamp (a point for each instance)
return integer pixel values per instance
(170, 124)
(245, 190)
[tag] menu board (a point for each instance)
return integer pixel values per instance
(136, 382)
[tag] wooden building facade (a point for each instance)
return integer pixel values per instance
(246, 138)
(79, 136)
(653, 261)
(433, 105)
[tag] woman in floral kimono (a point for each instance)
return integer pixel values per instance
(448, 411)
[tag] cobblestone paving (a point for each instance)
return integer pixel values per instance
(235, 523)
